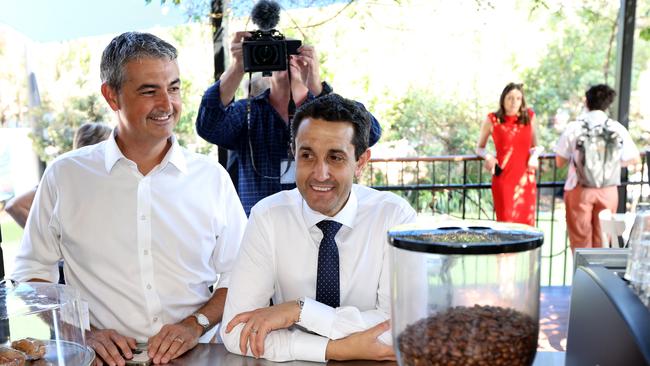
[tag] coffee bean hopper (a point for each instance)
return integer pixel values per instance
(465, 293)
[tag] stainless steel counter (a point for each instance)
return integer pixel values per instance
(217, 355)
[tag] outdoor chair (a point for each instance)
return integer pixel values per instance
(611, 229)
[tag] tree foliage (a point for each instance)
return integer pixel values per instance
(434, 124)
(581, 56)
(53, 132)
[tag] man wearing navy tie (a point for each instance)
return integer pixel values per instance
(319, 252)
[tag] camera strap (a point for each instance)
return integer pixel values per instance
(248, 131)
(291, 108)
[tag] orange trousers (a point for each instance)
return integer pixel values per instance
(582, 207)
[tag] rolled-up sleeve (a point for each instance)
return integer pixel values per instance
(375, 131)
(563, 146)
(39, 251)
(219, 124)
(630, 151)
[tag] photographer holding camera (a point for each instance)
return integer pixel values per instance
(258, 128)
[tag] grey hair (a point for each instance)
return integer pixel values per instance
(131, 46)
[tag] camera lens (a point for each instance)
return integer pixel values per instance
(266, 55)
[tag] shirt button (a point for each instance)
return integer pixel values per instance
(148, 287)
(155, 319)
(146, 252)
(143, 217)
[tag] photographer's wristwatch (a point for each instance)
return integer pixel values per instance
(202, 320)
(326, 89)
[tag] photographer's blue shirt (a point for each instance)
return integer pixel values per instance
(269, 139)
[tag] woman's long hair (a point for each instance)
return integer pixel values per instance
(522, 115)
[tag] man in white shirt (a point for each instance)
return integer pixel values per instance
(319, 251)
(144, 226)
(583, 203)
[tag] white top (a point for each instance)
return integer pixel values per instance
(279, 258)
(566, 145)
(142, 250)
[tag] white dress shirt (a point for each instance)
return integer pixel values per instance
(566, 144)
(142, 250)
(279, 258)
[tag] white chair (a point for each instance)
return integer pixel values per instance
(611, 229)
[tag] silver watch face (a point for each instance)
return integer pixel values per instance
(202, 320)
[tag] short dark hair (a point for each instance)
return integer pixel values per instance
(129, 46)
(335, 108)
(599, 97)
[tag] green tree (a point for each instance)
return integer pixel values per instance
(434, 125)
(53, 132)
(583, 54)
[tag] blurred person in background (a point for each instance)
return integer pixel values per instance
(512, 128)
(584, 198)
(88, 134)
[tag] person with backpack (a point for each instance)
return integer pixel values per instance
(596, 148)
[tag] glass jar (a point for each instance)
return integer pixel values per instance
(42, 323)
(638, 262)
(465, 293)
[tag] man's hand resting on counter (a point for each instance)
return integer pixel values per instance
(361, 346)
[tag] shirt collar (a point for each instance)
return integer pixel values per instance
(595, 116)
(112, 153)
(174, 155)
(346, 216)
(263, 95)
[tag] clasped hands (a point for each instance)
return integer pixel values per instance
(260, 322)
(171, 342)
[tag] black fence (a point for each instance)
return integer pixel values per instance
(459, 186)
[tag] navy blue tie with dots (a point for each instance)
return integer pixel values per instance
(327, 279)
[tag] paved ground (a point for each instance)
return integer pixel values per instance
(554, 318)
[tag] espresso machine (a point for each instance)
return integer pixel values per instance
(608, 323)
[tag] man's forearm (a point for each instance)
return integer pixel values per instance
(213, 309)
(230, 81)
(18, 208)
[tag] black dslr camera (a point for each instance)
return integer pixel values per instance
(268, 50)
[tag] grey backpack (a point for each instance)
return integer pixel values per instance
(598, 161)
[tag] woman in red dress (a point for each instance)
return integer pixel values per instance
(512, 128)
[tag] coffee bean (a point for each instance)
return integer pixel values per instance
(478, 335)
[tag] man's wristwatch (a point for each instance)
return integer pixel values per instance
(326, 89)
(202, 320)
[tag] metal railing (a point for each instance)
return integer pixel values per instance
(458, 186)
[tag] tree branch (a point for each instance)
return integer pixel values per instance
(322, 22)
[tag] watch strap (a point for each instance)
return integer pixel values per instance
(202, 320)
